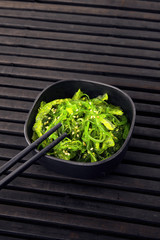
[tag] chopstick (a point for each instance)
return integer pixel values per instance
(28, 149)
(29, 162)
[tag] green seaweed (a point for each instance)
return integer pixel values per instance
(96, 129)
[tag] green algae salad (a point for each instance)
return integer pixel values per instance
(96, 129)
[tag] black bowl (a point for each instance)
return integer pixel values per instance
(65, 89)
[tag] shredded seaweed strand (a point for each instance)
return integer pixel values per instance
(96, 128)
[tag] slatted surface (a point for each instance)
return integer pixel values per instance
(115, 42)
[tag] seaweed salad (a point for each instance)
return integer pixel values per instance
(96, 129)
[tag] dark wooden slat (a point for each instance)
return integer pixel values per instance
(10, 127)
(149, 108)
(108, 195)
(6, 156)
(77, 66)
(147, 132)
(70, 195)
(138, 171)
(28, 83)
(34, 231)
(10, 237)
(13, 141)
(32, 24)
(12, 104)
(108, 210)
(75, 56)
(124, 183)
(54, 75)
(77, 9)
(71, 28)
(86, 223)
(135, 184)
(110, 40)
(87, 20)
(18, 93)
(23, 83)
(78, 47)
(144, 96)
(137, 4)
(141, 172)
(147, 145)
(148, 120)
(12, 116)
(145, 159)
(40, 179)
(51, 7)
(7, 153)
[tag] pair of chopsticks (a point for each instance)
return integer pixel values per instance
(24, 152)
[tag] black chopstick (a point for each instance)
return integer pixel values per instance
(28, 163)
(28, 149)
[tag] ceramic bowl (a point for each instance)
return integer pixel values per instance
(65, 89)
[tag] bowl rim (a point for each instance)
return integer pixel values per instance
(83, 163)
